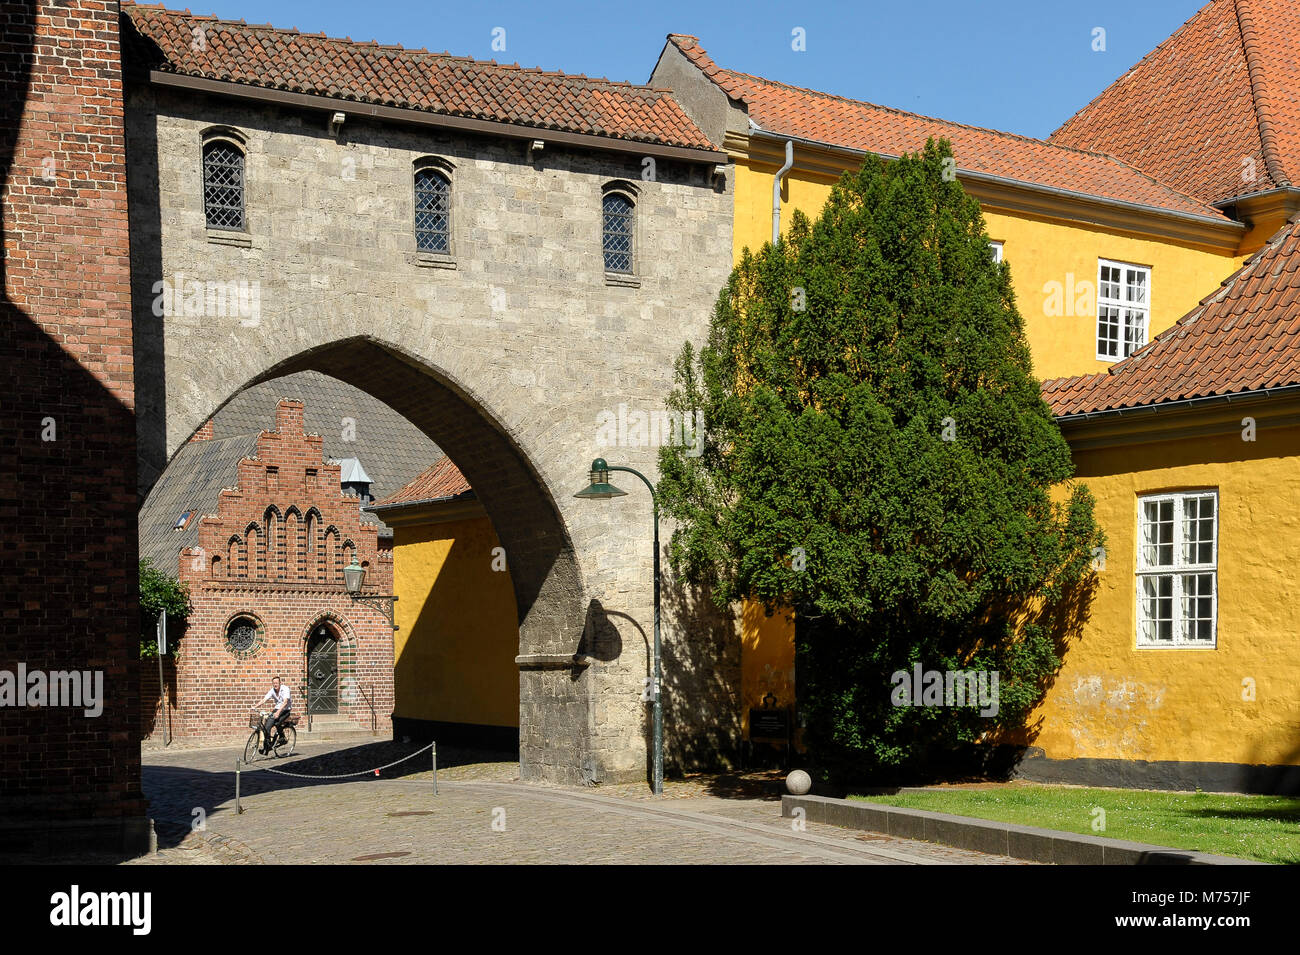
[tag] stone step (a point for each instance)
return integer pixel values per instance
(330, 727)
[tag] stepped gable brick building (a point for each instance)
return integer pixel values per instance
(266, 588)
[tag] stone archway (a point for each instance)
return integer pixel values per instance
(556, 695)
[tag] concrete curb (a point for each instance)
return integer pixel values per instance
(996, 838)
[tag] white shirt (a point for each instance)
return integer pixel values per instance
(280, 700)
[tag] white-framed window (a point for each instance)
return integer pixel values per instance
(995, 249)
(1177, 569)
(1123, 308)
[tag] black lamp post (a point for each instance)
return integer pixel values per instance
(354, 578)
(599, 490)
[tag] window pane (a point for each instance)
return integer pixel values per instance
(1136, 291)
(223, 186)
(432, 212)
(1157, 608)
(1198, 606)
(1158, 533)
(1108, 324)
(1198, 530)
(617, 239)
(1135, 330)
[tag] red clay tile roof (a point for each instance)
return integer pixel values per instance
(834, 120)
(1243, 337)
(440, 481)
(1211, 107)
(314, 64)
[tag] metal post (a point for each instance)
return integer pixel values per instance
(435, 769)
(657, 780)
(162, 685)
(658, 703)
(238, 809)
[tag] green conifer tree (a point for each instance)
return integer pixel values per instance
(878, 457)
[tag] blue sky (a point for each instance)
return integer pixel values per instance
(1018, 65)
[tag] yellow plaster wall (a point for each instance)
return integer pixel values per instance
(1112, 700)
(458, 633)
(1039, 251)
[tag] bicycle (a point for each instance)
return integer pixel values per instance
(286, 737)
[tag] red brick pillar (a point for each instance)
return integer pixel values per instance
(68, 549)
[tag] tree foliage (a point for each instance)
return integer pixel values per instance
(159, 592)
(877, 456)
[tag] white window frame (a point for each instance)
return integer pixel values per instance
(1178, 570)
(1130, 312)
(996, 247)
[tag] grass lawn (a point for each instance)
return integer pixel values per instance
(1265, 828)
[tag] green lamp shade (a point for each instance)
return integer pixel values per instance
(600, 489)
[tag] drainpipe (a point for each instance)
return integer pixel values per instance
(776, 190)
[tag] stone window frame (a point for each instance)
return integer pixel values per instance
(236, 139)
(1178, 568)
(259, 640)
(445, 168)
(632, 193)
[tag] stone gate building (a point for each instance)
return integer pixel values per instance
(500, 255)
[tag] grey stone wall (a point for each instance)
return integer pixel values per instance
(505, 355)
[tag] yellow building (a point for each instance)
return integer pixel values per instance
(1187, 670)
(454, 651)
(1114, 230)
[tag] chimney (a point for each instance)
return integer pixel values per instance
(204, 433)
(288, 416)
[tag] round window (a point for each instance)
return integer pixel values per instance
(243, 636)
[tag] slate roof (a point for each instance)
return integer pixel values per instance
(191, 482)
(1215, 103)
(264, 56)
(392, 450)
(441, 481)
(834, 120)
(1244, 337)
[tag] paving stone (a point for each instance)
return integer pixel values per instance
(484, 814)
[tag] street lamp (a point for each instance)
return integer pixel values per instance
(354, 578)
(599, 490)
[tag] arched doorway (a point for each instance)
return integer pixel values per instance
(514, 483)
(323, 670)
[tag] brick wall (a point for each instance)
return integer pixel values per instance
(274, 554)
(67, 435)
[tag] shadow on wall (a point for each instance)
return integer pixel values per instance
(145, 236)
(1065, 622)
(700, 660)
(151, 713)
(1280, 779)
(67, 449)
(702, 679)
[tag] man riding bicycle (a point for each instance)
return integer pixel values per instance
(279, 693)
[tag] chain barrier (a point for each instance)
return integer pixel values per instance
(239, 764)
(364, 772)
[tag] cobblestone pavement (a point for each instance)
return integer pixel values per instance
(482, 814)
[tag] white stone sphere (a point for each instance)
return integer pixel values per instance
(798, 782)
